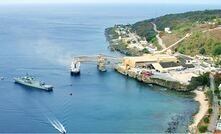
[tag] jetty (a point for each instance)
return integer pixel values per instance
(170, 71)
(158, 69)
(102, 62)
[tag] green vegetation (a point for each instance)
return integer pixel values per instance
(219, 97)
(206, 119)
(145, 29)
(210, 110)
(189, 22)
(177, 21)
(181, 50)
(197, 40)
(202, 51)
(122, 47)
(119, 45)
(219, 21)
(145, 50)
(203, 129)
(182, 22)
(209, 95)
(205, 43)
(217, 91)
(202, 80)
(217, 49)
(217, 79)
(111, 33)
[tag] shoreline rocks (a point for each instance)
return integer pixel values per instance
(173, 85)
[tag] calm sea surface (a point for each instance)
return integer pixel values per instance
(40, 40)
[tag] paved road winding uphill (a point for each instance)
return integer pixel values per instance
(160, 41)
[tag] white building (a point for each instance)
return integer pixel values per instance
(143, 42)
(218, 125)
(135, 45)
(167, 29)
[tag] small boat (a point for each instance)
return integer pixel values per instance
(75, 68)
(31, 82)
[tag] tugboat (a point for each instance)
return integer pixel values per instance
(31, 82)
(75, 68)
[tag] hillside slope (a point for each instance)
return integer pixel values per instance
(199, 23)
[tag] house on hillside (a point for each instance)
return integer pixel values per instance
(167, 30)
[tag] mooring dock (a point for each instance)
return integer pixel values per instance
(102, 62)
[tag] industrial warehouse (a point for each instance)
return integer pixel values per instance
(159, 62)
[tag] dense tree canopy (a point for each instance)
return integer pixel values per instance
(217, 50)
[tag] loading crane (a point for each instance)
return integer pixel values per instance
(101, 60)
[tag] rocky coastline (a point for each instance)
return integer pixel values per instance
(173, 85)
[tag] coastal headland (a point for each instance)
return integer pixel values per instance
(159, 51)
(175, 51)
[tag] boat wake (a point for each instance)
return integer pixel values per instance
(57, 125)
